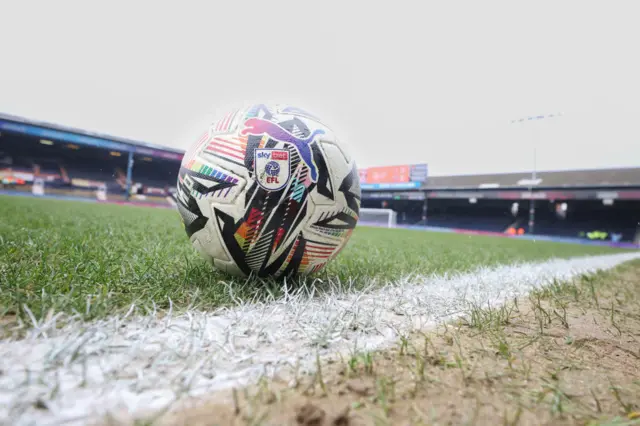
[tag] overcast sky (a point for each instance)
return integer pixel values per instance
(399, 81)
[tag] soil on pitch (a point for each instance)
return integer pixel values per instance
(569, 354)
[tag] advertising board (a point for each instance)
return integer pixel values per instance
(407, 176)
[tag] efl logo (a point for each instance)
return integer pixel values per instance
(272, 168)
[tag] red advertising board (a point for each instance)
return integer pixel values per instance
(387, 174)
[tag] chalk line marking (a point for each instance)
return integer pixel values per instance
(76, 373)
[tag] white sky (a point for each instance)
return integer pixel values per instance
(399, 81)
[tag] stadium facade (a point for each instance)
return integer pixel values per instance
(43, 159)
(596, 205)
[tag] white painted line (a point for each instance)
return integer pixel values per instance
(141, 364)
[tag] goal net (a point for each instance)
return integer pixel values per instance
(378, 217)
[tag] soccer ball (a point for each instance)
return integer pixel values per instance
(269, 191)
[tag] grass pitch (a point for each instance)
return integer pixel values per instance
(567, 354)
(95, 259)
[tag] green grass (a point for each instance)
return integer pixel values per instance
(493, 364)
(94, 259)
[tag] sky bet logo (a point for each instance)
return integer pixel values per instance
(263, 154)
(275, 155)
(272, 168)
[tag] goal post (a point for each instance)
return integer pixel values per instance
(378, 217)
(38, 187)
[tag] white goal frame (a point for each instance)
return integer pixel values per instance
(392, 216)
(37, 187)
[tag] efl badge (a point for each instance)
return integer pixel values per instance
(272, 168)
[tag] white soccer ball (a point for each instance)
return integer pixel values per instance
(269, 191)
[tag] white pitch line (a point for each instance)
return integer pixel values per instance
(140, 364)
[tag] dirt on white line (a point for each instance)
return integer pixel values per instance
(77, 373)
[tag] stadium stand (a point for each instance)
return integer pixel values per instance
(602, 205)
(460, 214)
(73, 163)
(155, 176)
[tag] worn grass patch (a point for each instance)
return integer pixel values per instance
(566, 354)
(94, 260)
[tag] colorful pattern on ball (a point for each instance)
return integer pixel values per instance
(269, 191)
